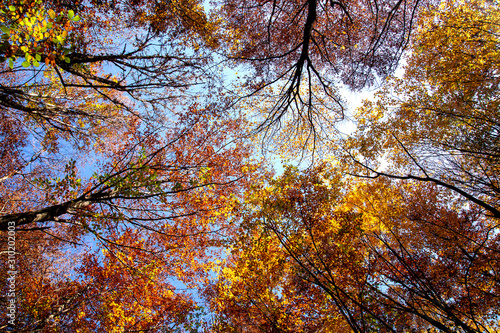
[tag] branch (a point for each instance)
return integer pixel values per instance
(53, 212)
(491, 209)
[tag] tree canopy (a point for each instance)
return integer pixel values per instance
(137, 191)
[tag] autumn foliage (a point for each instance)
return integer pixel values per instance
(379, 256)
(137, 190)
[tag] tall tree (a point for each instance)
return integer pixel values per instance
(299, 52)
(319, 253)
(416, 249)
(171, 194)
(126, 93)
(439, 122)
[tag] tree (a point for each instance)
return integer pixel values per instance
(320, 253)
(82, 105)
(265, 284)
(416, 247)
(298, 52)
(439, 123)
(138, 65)
(31, 31)
(178, 191)
(168, 168)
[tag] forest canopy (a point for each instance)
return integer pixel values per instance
(139, 141)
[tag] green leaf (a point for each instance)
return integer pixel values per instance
(76, 18)
(67, 60)
(26, 64)
(38, 57)
(5, 29)
(71, 14)
(12, 8)
(11, 63)
(36, 63)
